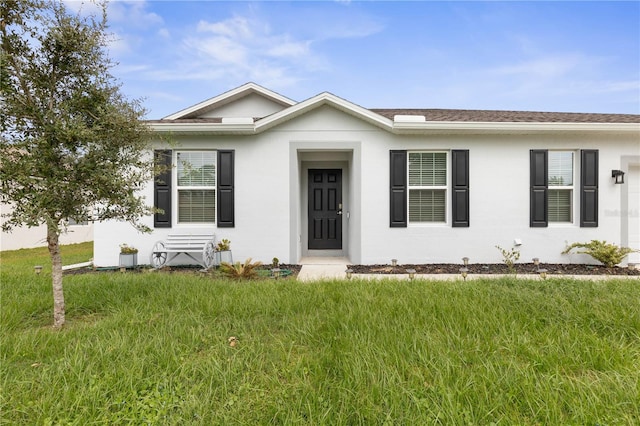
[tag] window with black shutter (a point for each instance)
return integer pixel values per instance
(460, 188)
(398, 189)
(162, 189)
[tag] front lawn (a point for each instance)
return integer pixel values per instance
(153, 348)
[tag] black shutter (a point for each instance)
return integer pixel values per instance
(589, 188)
(460, 187)
(225, 196)
(538, 216)
(162, 189)
(398, 189)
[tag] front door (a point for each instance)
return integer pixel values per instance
(325, 209)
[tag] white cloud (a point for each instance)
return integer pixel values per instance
(164, 33)
(218, 49)
(241, 48)
(133, 13)
(236, 27)
(289, 48)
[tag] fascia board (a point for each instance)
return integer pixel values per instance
(246, 129)
(318, 101)
(513, 127)
(228, 96)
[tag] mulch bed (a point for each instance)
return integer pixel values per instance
(495, 268)
(425, 268)
(170, 269)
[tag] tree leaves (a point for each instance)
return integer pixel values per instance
(71, 145)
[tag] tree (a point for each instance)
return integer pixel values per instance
(71, 145)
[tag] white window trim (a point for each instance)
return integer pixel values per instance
(176, 188)
(446, 188)
(574, 192)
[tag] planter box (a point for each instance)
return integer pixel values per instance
(129, 260)
(222, 256)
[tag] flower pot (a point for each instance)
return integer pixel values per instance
(223, 256)
(128, 260)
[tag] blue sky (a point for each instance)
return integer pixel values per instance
(542, 56)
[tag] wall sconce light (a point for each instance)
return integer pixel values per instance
(464, 272)
(37, 269)
(465, 260)
(618, 175)
(349, 273)
(412, 273)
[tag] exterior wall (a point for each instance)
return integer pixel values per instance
(37, 236)
(270, 194)
(499, 202)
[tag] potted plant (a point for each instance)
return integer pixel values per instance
(223, 252)
(128, 256)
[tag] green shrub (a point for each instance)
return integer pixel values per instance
(609, 254)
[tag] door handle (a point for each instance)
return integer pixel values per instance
(339, 209)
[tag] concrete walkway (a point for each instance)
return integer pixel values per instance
(317, 268)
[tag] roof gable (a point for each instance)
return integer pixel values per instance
(248, 100)
(317, 101)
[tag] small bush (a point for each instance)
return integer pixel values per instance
(223, 245)
(609, 254)
(239, 270)
(510, 257)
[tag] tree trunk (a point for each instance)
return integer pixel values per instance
(56, 275)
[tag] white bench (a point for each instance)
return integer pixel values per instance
(187, 243)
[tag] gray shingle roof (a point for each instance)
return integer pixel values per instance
(468, 115)
(510, 116)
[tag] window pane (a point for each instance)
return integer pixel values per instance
(560, 205)
(560, 168)
(427, 169)
(427, 205)
(196, 206)
(197, 168)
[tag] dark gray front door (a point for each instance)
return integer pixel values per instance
(325, 209)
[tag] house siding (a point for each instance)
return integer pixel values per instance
(270, 216)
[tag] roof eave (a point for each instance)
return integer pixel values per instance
(226, 128)
(511, 127)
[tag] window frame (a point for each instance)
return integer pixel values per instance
(571, 188)
(178, 188)
(444, 188)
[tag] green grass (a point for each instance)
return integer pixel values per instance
(152, 348)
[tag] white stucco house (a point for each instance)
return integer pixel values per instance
(327, 177)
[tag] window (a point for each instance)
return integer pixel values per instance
(552, 187)
(560, 193)
(196, 172)
(427, 187)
